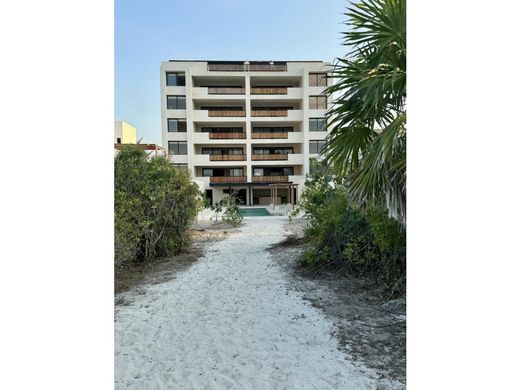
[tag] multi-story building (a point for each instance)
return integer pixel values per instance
(246, 126)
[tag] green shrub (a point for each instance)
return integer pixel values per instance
(362, 241)
(229, 206)
(155, 204)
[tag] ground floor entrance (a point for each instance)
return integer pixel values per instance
(257, 195)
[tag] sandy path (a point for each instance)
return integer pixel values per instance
(231, 321)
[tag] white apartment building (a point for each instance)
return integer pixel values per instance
(248, 126)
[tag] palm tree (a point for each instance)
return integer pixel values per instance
(367, 142)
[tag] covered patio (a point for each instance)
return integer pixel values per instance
(261, 194)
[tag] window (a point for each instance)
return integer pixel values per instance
(287, 171)
(175, 79)
(317, 124)
(177, 148)
(119, 140)
(222, 130)
(176, 125)
(236, 172)
(317, 102)
(317, 79)
(219, 152)
(315, 147)
(287, 150)
(272, 129)
(176, 102)
(258, 172)
(207, 172)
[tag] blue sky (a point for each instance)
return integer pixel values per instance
(150, 32)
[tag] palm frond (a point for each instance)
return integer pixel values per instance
(367, 121)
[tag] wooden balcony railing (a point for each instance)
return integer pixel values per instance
(227, 157)
(268, 90)
(271, 179)
(227, 67)
(268, 67)
(268, 112)
(216, 113)
(236, 67)
(270, 157)
(227, 179)
(226, 90)
(269, 135)
(227, 135)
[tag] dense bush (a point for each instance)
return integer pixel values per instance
(360, 240)
(154, 203)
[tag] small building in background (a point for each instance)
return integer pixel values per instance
(152, 150)
(124, 133)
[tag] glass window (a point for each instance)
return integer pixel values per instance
(207, 172)
(288, 171)
(179, 148)
(176, 125)
(317, 102)
(315, 147)
(258, 172)
(176, 102)
(175, 79)
(317, 124)
(317, 79)
(236, 172)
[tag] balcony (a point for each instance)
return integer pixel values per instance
(268, 90)
(281, 135)
(227, 179)
(200, 137)
(247, 67)
(268, 113)
(270, 157)
(226, 113)
(294, 115)
(267, 67)
(227, 157)
(227, 135)
(226, 67)
(271, 179)
(226, 91)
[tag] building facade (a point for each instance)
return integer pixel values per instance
(251, 127)
(124, 133)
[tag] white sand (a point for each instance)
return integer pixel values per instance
(231, 321)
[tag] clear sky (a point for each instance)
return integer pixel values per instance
(148, 32)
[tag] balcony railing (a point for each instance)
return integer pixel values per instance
(242, 67)
(227, 135)
(227, 179)
(268, 67)
(217, 113)
(271, 179)
(268, 90)
(227, 157)
(270, 157)
(282, 135)
(226, 90)
(268, 112)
